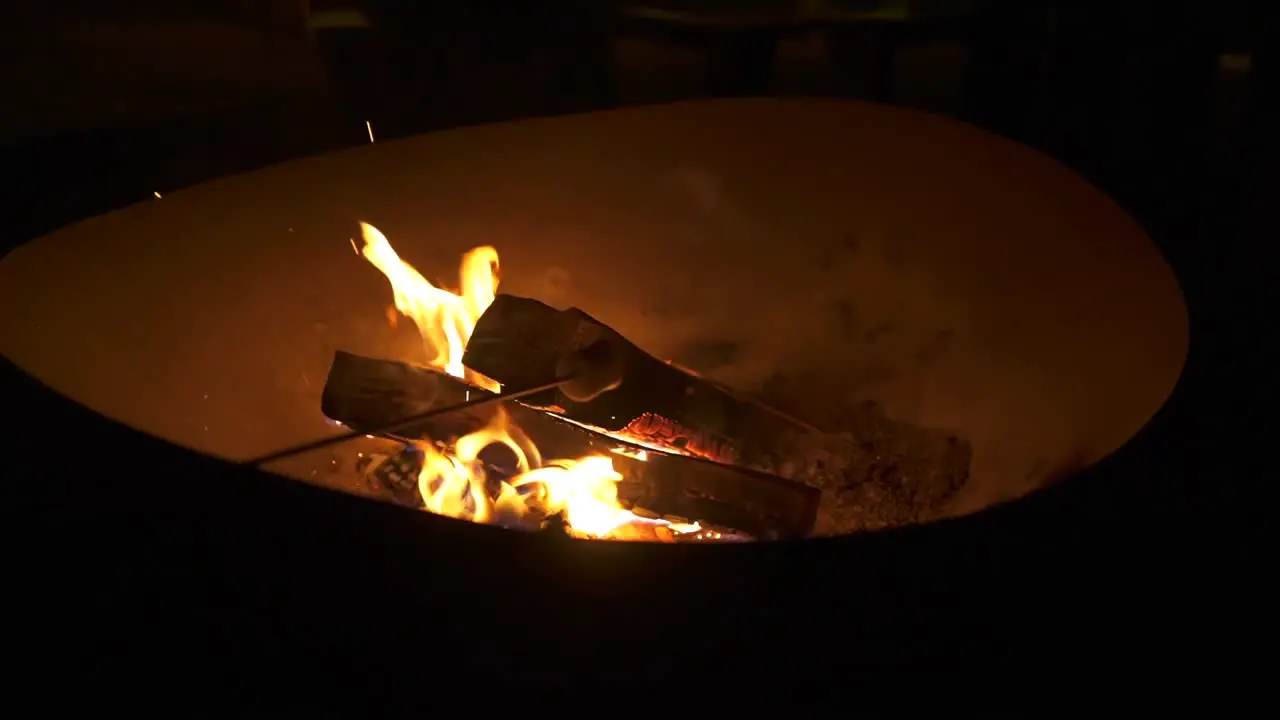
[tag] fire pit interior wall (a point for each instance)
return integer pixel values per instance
(869, 270)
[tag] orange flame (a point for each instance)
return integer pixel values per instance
(584, 492)
(444, 320)
(454, 481)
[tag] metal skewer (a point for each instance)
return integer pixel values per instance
(404, 422)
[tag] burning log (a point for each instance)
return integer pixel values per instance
(874, 473)
(368, 393)
(518, 341)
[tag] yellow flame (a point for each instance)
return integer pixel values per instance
(454, 481)
(445, 320)
(584, 492)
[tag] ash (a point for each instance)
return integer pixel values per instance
(874, 472)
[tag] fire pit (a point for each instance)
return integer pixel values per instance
(895, 318)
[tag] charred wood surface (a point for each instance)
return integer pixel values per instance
(519, 341)
(364, 392)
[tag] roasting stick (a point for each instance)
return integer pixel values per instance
(401, 424)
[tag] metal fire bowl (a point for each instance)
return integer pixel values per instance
(963, 281)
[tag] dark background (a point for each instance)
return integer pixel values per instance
(1167, 106)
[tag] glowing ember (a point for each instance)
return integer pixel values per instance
(454, 481)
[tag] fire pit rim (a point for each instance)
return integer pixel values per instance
(550, 122)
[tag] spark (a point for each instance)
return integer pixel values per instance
(369, 127)
(153, 192)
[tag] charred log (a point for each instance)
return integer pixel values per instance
(368, 393)
(519, 342)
